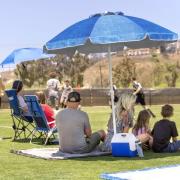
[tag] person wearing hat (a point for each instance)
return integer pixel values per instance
(74, 129)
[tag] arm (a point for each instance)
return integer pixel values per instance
(58, 85)
(137, 90)
(25, 109)
(174, 139)
(87, 126)
(127, 121)
(174, 132)
(22, 104)
(87, 132)
(126, 129)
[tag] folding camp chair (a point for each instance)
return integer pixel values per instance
(22, 125)
(39, 118)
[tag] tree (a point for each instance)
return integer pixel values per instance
(123, 72)
(37, 72)
(172, 74)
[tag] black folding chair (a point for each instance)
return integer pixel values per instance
(22, 125)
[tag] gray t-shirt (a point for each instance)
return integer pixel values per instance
(71, 124)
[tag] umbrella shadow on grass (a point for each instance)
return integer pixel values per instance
(147, 156)
(36, 141)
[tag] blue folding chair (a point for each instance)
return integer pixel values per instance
(22, 125)
(39, 118)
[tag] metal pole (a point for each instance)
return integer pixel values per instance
(100, 75)
(111, 88)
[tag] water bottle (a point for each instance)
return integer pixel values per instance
(139, 148)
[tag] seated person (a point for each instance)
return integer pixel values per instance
(48, 111)
(75, 135)
(18, 86)
(163, 131)
(124, 112)
(141, 129)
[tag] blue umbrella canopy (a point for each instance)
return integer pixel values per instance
(25, 54)
(109, 32)
(96, 33)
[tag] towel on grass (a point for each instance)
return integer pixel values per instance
(54, 153)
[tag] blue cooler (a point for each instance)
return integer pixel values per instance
(123, 145)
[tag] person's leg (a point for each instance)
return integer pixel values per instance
(102, 133)
(0, 102)
(52, 101)
(94, 140)
(172, 147)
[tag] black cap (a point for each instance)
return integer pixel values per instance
(74, 97)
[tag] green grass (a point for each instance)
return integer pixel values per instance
(19, 167)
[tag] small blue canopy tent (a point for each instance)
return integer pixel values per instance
(24, 54)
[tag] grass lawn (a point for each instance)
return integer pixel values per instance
(19, 167)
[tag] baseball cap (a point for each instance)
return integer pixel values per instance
(74, 97)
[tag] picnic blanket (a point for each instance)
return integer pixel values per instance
(158, 173)
(54, 153)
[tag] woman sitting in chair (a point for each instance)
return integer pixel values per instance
(48, 111)
(18, 86)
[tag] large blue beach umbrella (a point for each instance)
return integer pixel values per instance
(24, 54)
(109, 32)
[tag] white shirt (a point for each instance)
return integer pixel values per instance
(53, 85)
(23, 104)
(66, 91)
(136, 85)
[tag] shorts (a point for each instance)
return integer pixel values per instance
(172, 147)
(92, 142)
(140, 99)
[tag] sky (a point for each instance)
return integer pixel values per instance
(34, 22)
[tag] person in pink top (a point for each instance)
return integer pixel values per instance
(141, 129)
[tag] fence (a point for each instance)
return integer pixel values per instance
(99, 97)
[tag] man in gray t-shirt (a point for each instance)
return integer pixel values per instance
(74, 129)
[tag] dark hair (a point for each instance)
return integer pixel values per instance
(142, 120)
(167, 110)
(134, 78)
(52, 75)
(41, 97)
(17, 85)
(67, 81)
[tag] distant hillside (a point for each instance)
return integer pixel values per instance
(144, 69)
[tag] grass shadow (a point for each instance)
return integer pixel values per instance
(147, 156)
(37, 141)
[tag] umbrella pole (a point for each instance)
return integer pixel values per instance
(111, 88)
